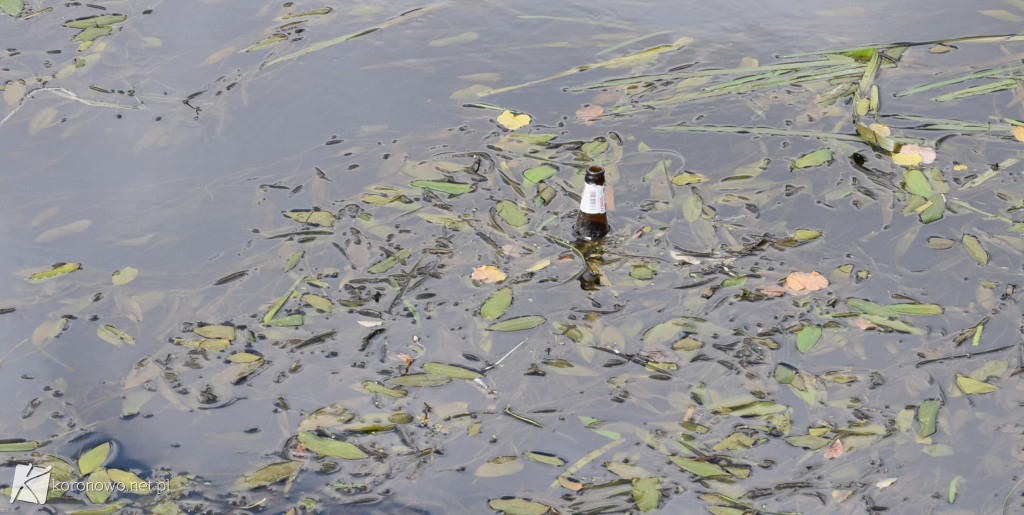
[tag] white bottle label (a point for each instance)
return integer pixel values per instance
(592, 200)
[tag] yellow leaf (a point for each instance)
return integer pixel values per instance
(880, 129)
(513, 121)
(488, 274)
(906, 159)
(1018, 132)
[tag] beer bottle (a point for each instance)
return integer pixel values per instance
(592, 221)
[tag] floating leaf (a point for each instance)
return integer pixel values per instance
(975, 249)
(124, 275)
(244, 357)
(785, 373)
(686, 178)
(700, 468)
(390, 262)
(293, 260)
(451, 188)
(811, 442)
(806, 234)
(816, 158)
(226, 332)
(518, 323)
(93, 458)
(375, 387)
(916, 309)
(96, 21)
(835, 450)
(540, 173)
(18, 446)
(545, 458)
(594, 147)
(646, 493)
(971, 386)
(933, 209)
(330, 447)
(693, 206)
(500, 466)
(12, 7)
(517, 506)
(488, 274)
(115, 336)
(265, 42)
(419, 380)
(1018, 132)
(268, 475)
(511, 214)
(57, 270)
(214, 344)
(286, 321)
(312, 217)
(807, 337)
(451, 371)
(497, 304)
(917, 183)
(132, 482)
(642, 272)
(803, 282)
(98, 487)
(927, 415)
(319, 302)
(513, 121)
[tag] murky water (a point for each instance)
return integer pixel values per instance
(172, 145)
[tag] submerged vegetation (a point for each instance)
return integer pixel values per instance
(812, 311)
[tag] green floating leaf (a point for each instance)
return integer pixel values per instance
(451, 188)
(545, 458)
(267, 41)
(319, 302)
(419, 380)
(511, 214)
(927, 415)
(18, 446)
(975, 249)
(518, 506)
(816, 158)
(93, 458)
(952, 488)
(646, 493)
(870, 308)
(806, 234)
(312, 217)
(451, 371)
(971, 386)
(12, 7)
(785, 373)
(642, 272)
(700, 468)
(268, 475)
(331, 447)
(452, 222)
(124, 275)
(96, 21)
(226, 332)
(807, 337)
(594, 147)
(537, 174)
(131, 481)
(500, 466)
(286, 321)
(57, 270)
(896, 325)
(916, 182)
(916, 309)
(377, 388)
(518, 324)
(465, 37)
(114, 336)
(693, 206)
(497, 304)
(808, 441)
(293, 260)
(98, 487)
(390, 262)
(214, 344)
(933, 209)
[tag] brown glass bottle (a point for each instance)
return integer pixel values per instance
(592, 221)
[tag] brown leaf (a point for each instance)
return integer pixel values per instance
(864, 324)
(772, 290)
(803, 282)
(835, 450)
(488, 274)
(588, 112)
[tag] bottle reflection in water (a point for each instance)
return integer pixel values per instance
(592, 222)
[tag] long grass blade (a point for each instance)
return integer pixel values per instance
(962, 78)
